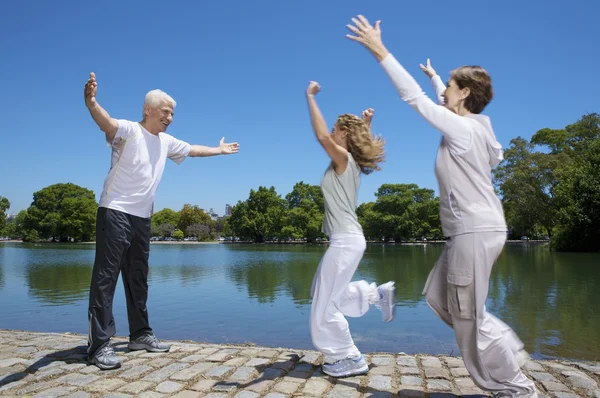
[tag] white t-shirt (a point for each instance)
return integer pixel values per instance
(137, 164)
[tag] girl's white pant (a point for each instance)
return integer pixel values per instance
(456, 290)
(334, 296)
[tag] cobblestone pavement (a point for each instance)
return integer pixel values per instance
(53, 365)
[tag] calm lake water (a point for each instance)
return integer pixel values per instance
(261, 294)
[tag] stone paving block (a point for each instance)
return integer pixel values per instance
(136, 371)
(227, 386)
(193, 358)
(151, 394)
(541, 376)
(406, 361)
(31, 388)
(219, 371)
(315, 387)
(268, 354)
(12, 385)
(411, 392)
(411, 380)
(45, 374)
(285, 365)
(55, 392)
(160, 362)
(243, 373)
(554, 387)
(409, 371)
(6, 363)
(437, 373)
(431, 362)
(81, 394)
(352, 382)
(313, 358)
(187, 394)
(135, 387)
(216, 395)
(272, 374)
(164, 373)
(290, 355)
(577, 379)
(76, 379)
(286, 387)
(187, 374)
(257, 362)
(169, 387)
(73, 367)
(275, 395)
(530, 365)
(105, 385)
(382, 370)
(459, 372)
(382, 360)
(439, 385)
(382, 383)
(337, 392)
(204, 385)
(208, 351)
(378, 394)
(218, 357)
(246, 394)
(237, 361)
(557, 367)
(203, 366)
(565, 395)
(260, 386)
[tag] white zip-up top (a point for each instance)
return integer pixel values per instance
(467, 153)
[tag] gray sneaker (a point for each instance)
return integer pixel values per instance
(105, 358)
(346, 367)
(148, 342)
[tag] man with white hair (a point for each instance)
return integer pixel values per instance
(139, 153)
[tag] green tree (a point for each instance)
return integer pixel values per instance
(305, 213)
(4, 206)
(220, 224)
(178, 234)
(200, 231)
(16, 228)
(61, 211)
(192, 214)
(402, 212)
(260, 217)
(165, 216)
(550, 185)
(578, 189)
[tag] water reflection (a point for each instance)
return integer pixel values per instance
(59, 283)
(230, 293)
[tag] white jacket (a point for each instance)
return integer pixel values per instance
(467, 153)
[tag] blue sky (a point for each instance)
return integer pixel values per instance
(239, 69)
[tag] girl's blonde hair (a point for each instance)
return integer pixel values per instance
(366, 148)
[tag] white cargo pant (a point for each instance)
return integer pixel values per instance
(333, 297)
(456, 290)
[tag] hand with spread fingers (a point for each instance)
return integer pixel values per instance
(367, 35)
(228, 149)
(428, 69)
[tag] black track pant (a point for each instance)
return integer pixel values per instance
(122, 244)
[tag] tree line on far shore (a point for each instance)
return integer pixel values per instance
(549, 186)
